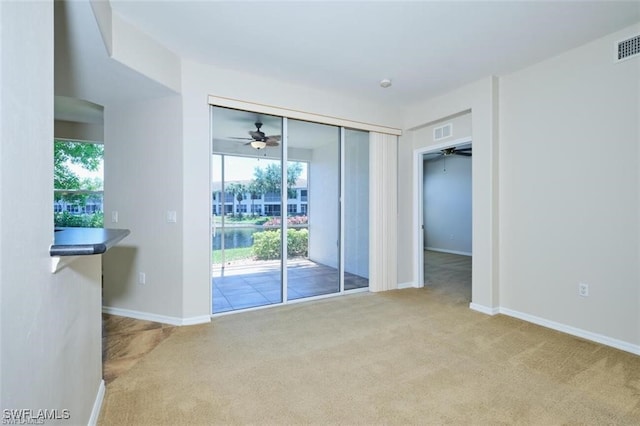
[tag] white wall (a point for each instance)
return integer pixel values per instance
(143, 181)
(80, 131)
(50, 324)
(570, 190)
(447, 204)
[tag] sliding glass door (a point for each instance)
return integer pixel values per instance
(281, 233)
(316, 271)
(356, 209)
(246, 210)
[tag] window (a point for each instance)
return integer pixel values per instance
(292, 208)
(303, 194)
(78, 184)
(272, 210)
(272, 197)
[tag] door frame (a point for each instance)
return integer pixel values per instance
(418, 205)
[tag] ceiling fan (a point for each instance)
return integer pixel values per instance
(259, 140)
(465, 152)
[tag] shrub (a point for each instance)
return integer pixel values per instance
(298, 242)
(262, 220)
(291, 220)
(66, 219)
(266, 244)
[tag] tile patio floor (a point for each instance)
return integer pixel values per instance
(258, 284)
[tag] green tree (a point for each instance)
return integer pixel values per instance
(269, 177)
(238, 191)
(88, 156)
(72, 189)
(255, 192)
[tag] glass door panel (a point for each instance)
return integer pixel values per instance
(313, 211)
(356, 209)
(246, 209)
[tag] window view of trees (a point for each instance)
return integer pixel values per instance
(78, 184)
(252, 210)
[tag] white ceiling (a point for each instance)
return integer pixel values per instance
(426, 48)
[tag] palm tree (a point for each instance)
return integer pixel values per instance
(237, 190)
(255, 191)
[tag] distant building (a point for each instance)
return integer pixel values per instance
(267, 204)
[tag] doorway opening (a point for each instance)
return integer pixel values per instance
(444, 188)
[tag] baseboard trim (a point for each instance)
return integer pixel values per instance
(484, 309)
(462, 253)
(97, 405)
(402, 286)
(202, 319)
(594, 337)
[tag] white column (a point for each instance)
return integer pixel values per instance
(383, 203)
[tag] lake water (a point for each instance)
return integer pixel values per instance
(234, 237)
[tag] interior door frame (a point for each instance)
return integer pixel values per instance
(418, 206)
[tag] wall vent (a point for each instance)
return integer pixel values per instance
(628, 48)
(442, 132)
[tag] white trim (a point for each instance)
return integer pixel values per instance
(462, 253)
(300, 115)
(202, 319)
(402, 286)
(418, 243)
(97, 405)
(594, 337)
(484, 309)
(574, 331)
(341, 212)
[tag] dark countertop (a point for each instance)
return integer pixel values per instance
(85, 241)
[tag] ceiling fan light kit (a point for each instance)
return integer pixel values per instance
(258, 144)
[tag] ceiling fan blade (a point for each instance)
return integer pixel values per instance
(463, 149)
(241, 139)
(464, 154)
(256, 134)
(274, 137)
(272, 143)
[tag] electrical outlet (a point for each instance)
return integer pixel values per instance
(142, 278)
(114, 216)
(172, 216)
(583, 289)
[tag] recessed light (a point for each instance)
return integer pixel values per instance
(385, 82)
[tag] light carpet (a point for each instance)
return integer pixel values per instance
(415, 356)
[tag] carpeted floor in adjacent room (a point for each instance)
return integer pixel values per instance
(411, 356)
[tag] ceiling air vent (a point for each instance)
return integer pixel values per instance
(628, 48)
(442, 132)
